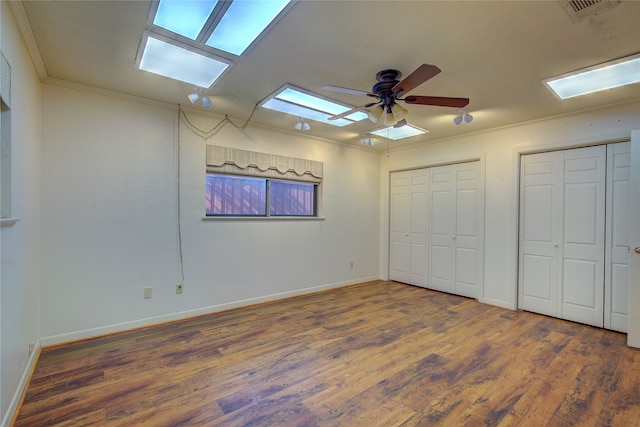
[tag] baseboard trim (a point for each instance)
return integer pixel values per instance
(120, 327)
(21, 390)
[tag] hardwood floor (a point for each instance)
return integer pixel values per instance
(375, 354)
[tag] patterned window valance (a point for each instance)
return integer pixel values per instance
(251, 163)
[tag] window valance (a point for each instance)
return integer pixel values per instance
(241, 162)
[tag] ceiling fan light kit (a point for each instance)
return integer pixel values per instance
(388, 91)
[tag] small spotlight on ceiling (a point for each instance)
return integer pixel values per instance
(463, 115)
(302, 124)
(367, 140)
(199, 95)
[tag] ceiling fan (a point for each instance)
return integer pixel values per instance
(389, 89)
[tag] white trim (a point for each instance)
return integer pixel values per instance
(22, 386)
(6, 222)
(24, 27)
(121, 327)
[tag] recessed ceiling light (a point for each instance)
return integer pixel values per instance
(302, 103)
(180, 63)
(611, 74)
(401, 132)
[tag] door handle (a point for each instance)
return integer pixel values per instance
(637, 250)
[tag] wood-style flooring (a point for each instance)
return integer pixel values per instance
(374, 354)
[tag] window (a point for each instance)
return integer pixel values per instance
(233, 195)
(248, 184)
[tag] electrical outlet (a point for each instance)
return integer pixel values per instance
(350, 264)
(32, 347)
(148, 292)
(179, 288)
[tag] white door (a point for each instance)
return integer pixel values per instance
(633, 325)
(419, 226)
(456, 229)
(617, 237)
(409, 198)
(540, 231)
(442, 250)
(468, 225)
(400, 227)
(583, 235)
(562, 222)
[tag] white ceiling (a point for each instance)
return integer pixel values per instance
(494, 52)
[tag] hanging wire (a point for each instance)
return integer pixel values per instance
(178, 148)
(206, 134)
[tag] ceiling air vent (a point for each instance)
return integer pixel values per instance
(581, 9)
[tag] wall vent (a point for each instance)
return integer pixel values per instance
(578, 10)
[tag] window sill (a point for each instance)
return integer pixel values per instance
(263, 218)
(7, 222)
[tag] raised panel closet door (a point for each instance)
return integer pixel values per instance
(540, 232)
(583, 236)
(442, 255)
(617, 238)
(467, 259)
(418, 237)
(400, 227)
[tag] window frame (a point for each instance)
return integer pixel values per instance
(268, 198)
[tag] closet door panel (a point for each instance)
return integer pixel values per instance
(540, 227)
(400, 227)
(419, 226)
(467, 261)
(617, 253)
(442, 260)
(583, 237)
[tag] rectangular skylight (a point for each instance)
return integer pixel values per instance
(611, 74)
(187, 65)
(243, 22)
(301, 103)
(405, 131)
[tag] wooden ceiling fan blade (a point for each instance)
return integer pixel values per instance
(353, 110)
(415, 79)
(439, 101)
(346, 90)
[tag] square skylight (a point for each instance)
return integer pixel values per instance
(405, 131)
(302, 103)
(611, 74)
(170, 60)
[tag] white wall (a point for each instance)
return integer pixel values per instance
(20, 251)
(499, 150)
(110, 228)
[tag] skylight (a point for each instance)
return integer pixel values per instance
(169, 60)
(190, 39)
(609, 75)
(243, 22)
(186, 18)
(405, 131)
(301, 103)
